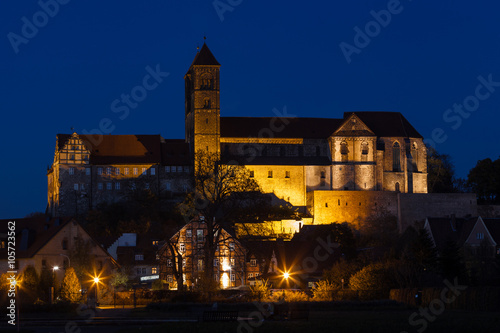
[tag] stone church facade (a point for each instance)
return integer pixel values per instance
(334, 169)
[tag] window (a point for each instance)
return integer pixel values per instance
(169, 262)
(231, 246)
(252, 174)
(270, 174)
(256, 274)
(2, 244)
(170, 279)
(136, 171)
(174, 168)
(479, 235)
(216, 262)
(108, 171)
(152, 171)
(117, 186)
(200, 265)
(65, 244)
(125, 171)
(168, 186)
(155, 243)
(233, 277)
(71, 171)
(167, 169)
(250, 275)
(184, 188)
(396, 157)
(109, 186)
(99, 186)
(75, 187)
(154, 270)
(87, 171)
(184, 262)
(364, 151)
(144, 171)
(182, 247)
(287, 174)
(231, 262)
(71, 157)
(139, 257)
(186, 169)
(344, 151)
(157, 256)
(253, 262)
(397, 189)
(144, 271)
(206, 104)
(189, 233)
(117, 171)
(199, 235)
(99, 171)
(323, 174)
(138, 270)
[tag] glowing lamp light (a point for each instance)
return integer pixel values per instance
(225, 280)
(96, 279)
(286, 275)
(55, 268)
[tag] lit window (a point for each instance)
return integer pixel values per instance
(231, 262)
(155, 243)
(2, 245)
(250, 275)
(87, 171)
(109, 186)
(199, 235)
(231, 246)
(75, 187)
(233, 277)
(135, 171)
(125, 171)
(99, 186)
(189, 233)
(108, 171)
(152, 171)
(253, 262)
(117, 186)
(139, 257)
(71, 171)
(144, 171)
(154, 270)
(167, 169)
(99, 171)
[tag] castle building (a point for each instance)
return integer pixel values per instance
(336, 170)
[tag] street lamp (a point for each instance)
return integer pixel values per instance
(96, 282)
(54, 269)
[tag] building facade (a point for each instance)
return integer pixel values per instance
(306, 162)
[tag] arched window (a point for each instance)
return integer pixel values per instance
(396, 157)
(397, 187)
(343, 151)
(364, 151)
(206, 82)
(206, 103)
(414, 156)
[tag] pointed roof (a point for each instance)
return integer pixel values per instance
(205, 57)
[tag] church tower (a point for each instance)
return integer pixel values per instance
(202, 103)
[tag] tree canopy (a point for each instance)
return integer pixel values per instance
(484, 180)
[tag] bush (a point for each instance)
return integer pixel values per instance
(323, 291)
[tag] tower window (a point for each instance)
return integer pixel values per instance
(207, 104)
(396, 157)
(270, 174)
(397, 187)
(343, 151)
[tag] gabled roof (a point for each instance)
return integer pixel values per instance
(306, 128)
(133, 149)
(36, 231)
(386, 124)
(353, 126)
(444, 229)
(205, 57)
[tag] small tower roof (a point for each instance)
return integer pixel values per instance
(205, 57)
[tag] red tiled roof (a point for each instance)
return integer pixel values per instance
(386, 124)
(307, 128)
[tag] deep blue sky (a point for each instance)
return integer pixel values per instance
(272, 54)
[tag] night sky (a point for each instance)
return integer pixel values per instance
(316, 59)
